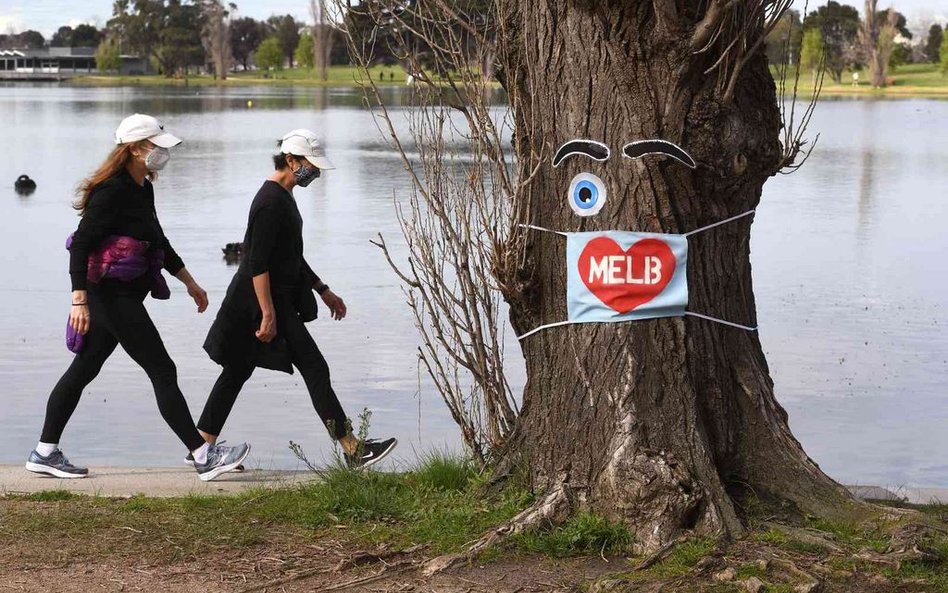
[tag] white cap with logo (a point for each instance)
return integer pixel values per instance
(304, 143)
(144, 127)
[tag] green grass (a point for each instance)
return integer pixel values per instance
(682, 559)
(781, 540)
(51, 496)
(909, 80)
(442, 471)
(746, 571)
(583, 533)
(440, 504)
(849, 534)
(336, 76)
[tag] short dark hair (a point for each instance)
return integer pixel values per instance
(279, 161)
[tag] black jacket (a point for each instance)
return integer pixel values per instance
(273, 243)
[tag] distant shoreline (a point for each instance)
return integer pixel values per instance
(912, 81)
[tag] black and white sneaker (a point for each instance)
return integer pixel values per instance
(55, 464)
(370, 452)
(220, 460)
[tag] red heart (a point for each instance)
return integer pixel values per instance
(614, 283)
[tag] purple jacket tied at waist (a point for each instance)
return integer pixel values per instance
(124, 258)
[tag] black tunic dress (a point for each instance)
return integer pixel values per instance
(273, 243)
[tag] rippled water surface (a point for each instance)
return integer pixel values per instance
(850, 258)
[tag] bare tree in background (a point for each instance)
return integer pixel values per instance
(215, 34)
(877, 36)
(458, 219)
(322, 37)
(668, 425)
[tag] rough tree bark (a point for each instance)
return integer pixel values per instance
(668, 424)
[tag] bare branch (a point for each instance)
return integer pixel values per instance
(708, 25)
(456, 221)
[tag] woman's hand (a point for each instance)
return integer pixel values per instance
(79, 312)
(336, 305)
(194, 289)
(268, 328)
(79, 318)
(199, 295)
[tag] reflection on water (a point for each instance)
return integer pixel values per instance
(848, 258)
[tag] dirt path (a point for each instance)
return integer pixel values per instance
(155, 482)
(307, 567)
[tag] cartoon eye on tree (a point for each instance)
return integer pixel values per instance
(668, 425)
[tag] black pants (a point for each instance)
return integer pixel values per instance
(307, 359)
(119, 318)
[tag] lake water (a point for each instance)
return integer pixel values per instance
(850, 258)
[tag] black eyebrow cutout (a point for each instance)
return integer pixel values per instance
(640, 148)
(594, 150)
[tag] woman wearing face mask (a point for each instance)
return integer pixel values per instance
(261, 321)
(117, 205)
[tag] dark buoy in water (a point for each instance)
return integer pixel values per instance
(233, 252)
(24, 185)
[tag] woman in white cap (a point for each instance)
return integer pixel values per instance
(261, 320)
(117, 202)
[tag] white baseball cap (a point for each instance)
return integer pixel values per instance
(144, 127)
(304, 143)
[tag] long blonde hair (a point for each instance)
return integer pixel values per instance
(115, 163)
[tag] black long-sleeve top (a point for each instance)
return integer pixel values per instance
(273, 243)
(274, 239)
(119, 206)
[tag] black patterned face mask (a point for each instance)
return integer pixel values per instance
(304, 175)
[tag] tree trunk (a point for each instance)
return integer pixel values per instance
(877, 36)
(322, 38)
(666, 424)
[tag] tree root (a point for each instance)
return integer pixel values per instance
(807, 536)
(547, 509)
(660, 553)
(369, 557)
(792, 569)
(388, 569)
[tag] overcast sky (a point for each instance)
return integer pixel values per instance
(46, 16)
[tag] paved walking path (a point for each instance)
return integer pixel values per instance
(161, 481)
(127, 481)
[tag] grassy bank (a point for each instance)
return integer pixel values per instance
(910, 80)
(271, 537)
(337, 76)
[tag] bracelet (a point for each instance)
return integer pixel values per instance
(79, 304)
(322, 289)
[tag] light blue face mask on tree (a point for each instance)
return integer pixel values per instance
(614, 276)
(305, 175)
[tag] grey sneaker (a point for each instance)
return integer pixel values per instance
(220, 460)
(55, 465)
(189, 460)
(369, 453)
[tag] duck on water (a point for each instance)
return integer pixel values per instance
(24, 185)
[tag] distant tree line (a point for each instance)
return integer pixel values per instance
(184, 36)
(180, 36)
(836, 36)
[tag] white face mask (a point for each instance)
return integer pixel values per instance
(157, 158)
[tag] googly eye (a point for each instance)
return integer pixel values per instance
(587, 194)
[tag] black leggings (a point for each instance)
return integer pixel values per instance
(307, 359)
(121, 319)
